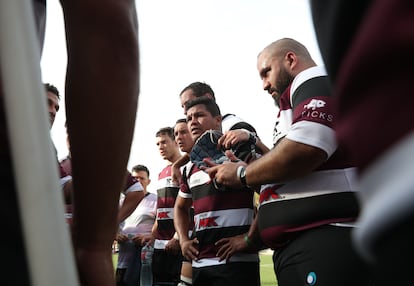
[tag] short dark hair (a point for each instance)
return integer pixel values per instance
(199, 89)
(209, 103)
(53, 89)
(166, 131)
(181, 120)
(138, 168)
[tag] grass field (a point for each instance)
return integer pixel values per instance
(267, 276)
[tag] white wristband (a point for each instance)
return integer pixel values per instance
(176, 236)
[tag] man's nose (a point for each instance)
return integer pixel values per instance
(52, 111)
(266, 85)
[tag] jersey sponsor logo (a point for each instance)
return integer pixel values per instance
(207, 222)
(169, 183)
(198, 178)
(196, 181)
(317, 115)
(317, 109)
(315, 103)
(268, 193)
(163, 215)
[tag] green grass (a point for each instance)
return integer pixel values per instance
(115, 259)
(267, 276)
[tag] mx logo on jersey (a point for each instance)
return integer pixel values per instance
(207, 222)
(163, 215)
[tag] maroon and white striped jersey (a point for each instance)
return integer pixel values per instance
(217, 214)
(166, 195)
(324, 196)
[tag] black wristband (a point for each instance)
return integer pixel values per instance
(252, 138)
(241, 173)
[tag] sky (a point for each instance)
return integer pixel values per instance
(182, 41)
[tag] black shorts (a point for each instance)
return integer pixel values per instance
(323, 256)
(231, 274)
(166, 268)
(119, 276)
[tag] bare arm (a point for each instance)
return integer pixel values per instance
(288, 160)
(182, 224)
(181, 219)
(232, 137)
(262, 146)
(131, 201)
(175, 168)
(154, 228)
(102, 80)
(68, 192)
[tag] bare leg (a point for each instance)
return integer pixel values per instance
(102, 87)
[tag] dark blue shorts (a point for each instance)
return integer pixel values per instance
(231, 274)
(323, 256)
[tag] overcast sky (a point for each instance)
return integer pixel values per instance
(215, 41)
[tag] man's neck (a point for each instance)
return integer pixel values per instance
(174, 158)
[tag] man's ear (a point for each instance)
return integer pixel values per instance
(290, 60)
(218, 120)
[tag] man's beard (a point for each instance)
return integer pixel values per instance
(283, 81)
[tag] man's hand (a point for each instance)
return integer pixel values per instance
(173, 247)
(141, 240)
(189, 249)
(176, 174)
(120, 237)
(232, 137)
(230, 245)
(226, 173)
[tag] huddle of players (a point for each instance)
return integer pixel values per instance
(194, 215)
(307, 205)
